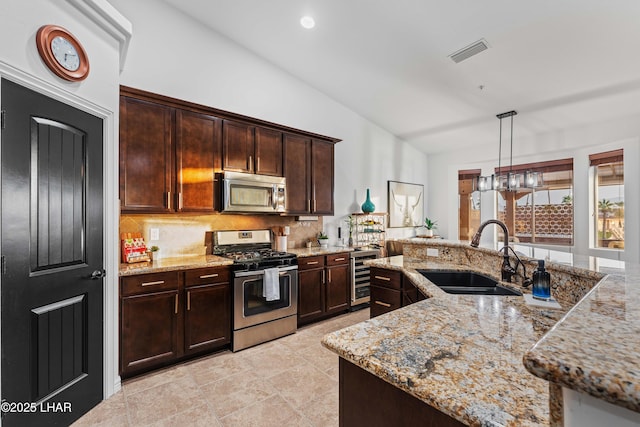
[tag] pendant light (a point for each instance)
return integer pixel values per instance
(510, 181)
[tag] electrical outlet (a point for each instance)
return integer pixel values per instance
(154, 234)
(432, 252)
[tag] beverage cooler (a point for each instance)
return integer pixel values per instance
(360, 277)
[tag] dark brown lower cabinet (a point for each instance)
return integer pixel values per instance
(368, 401)
(149, 332)
(166, 317)
(390, 290)
(207, 321)
(310, 294)
(323, 287)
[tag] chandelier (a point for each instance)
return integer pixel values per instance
(510, 181)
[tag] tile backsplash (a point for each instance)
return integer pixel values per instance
(184, 234)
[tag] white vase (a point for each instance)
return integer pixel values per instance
(324, 243)
(428, 233)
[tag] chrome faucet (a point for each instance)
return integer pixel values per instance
(507, 270)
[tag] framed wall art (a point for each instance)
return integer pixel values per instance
(406, 204)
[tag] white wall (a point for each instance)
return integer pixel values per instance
(577, 143)
(175, 56)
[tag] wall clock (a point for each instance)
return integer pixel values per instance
(62, 53)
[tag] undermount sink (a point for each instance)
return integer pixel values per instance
(466, 282)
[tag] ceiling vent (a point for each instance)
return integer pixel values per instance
(467, 52)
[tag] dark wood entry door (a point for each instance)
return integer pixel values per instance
(52, 273)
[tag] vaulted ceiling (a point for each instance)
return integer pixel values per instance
(559, 63)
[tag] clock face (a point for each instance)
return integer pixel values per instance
(62, 53)
(65, 53)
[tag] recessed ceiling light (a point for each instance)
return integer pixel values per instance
(307, 22)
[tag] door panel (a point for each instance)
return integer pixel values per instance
(237, 146)
(58, 335)
(198, 156)
(58, 187)
(268, 152)
(338, 288)
(297, 154)
(322, 181)
(52, 241)
(310, 295)
(207, 317)
(146, 157)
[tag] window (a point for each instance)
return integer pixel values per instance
(608, 174)
(544, 214)
(469, 204)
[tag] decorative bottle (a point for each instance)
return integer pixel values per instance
(368, 206)
(541, 282)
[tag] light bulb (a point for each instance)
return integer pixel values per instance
(307, 22)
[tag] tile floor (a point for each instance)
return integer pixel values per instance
(292, 381)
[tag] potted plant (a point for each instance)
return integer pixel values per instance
(152, 250)
(323, 239)
(430, 226)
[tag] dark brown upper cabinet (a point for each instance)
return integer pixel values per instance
(146, 156)
(309, 167)
(167, 158)
(251, 149)
(198, 146)
(170, 150)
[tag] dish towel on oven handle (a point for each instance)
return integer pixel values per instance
(271, 284)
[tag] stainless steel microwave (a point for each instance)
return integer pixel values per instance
(250, 193)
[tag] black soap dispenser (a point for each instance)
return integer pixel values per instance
(541, 282)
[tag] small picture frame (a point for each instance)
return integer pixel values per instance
(406, 204)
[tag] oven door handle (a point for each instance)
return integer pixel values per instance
(261, 272)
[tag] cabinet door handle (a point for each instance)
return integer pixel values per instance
(315, 205)
(168, 199)
(176, 310)
(312, 262)
(188, 300)
(159, 282)
(257, 163)
(209, 276)
(384, 304)
(324, 277)
(386, 279)
(339, 259)
(329, 276)
(250, 163)
(180, 200)
(309, 205)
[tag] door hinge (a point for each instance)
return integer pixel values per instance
(3, 115)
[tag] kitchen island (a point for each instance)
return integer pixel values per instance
(463, 355)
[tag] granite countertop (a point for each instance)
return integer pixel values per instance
(172, 264)
(472, 357)
(461, 354)
(200, 261)
(594, 349)
(316, 250)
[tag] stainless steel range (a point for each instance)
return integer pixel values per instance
(265, 286)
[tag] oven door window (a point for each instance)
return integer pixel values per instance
(255, 303)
